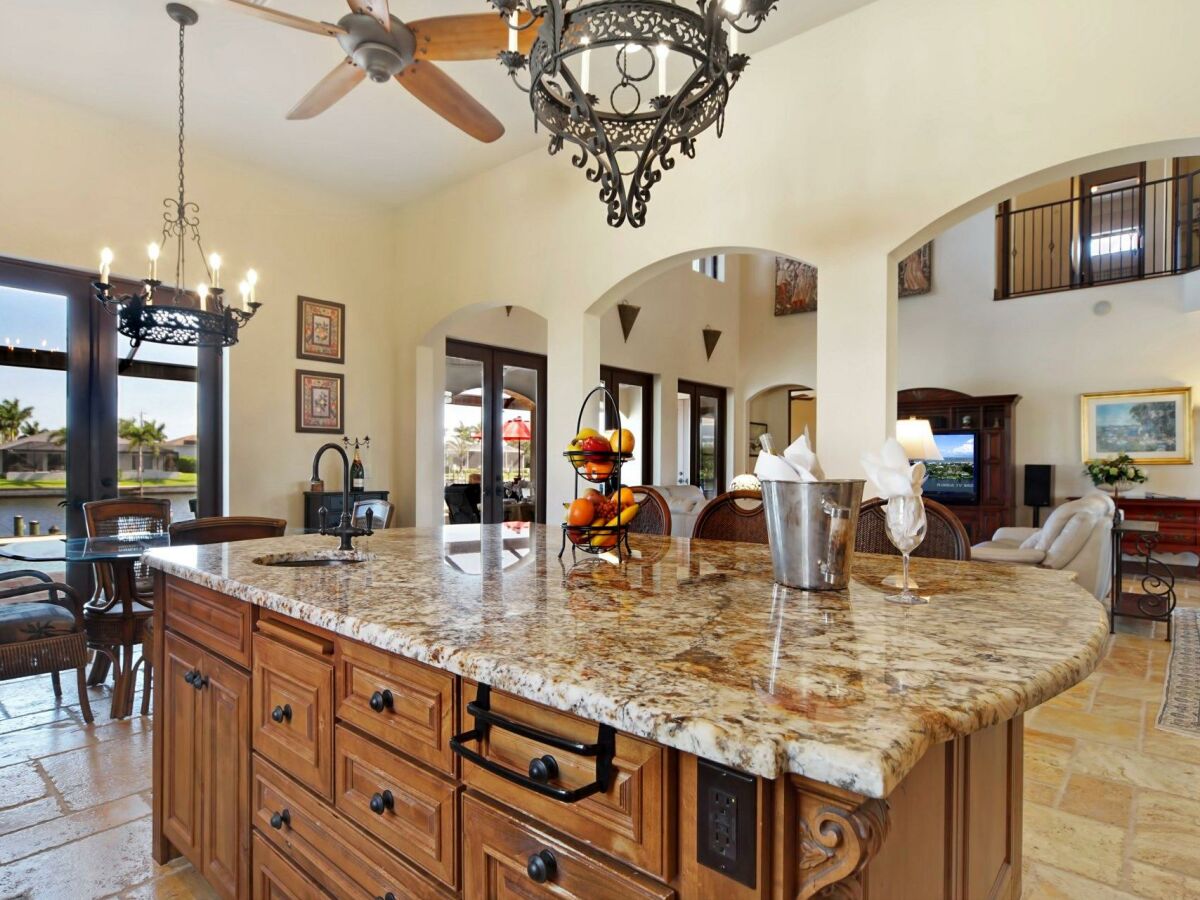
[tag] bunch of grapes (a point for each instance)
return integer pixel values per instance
(605, 509)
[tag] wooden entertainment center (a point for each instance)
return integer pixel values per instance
(992, 417)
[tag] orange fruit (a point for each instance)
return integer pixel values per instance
(581, 512)
(598, 469)
(623, 498)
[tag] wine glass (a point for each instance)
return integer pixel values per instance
(906, 526)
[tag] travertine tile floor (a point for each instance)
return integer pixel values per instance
(1112, 805)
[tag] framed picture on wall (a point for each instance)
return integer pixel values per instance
(757, 430)
(319, 401)
(1153, 426)
(795, 286)
(916, 272)
(320, 330)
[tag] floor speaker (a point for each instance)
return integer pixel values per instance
(1039, 488)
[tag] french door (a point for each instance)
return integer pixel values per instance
(634, 393)
(495, 459)
(702, 426)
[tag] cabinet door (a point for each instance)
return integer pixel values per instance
(277, 879)
(293, 713)
(226, 777)
(180, 735)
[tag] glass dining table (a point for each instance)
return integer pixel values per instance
(114, 618)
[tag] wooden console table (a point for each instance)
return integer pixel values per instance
(1178, 522)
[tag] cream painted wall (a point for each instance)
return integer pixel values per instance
(1047, 348)
(73, 181)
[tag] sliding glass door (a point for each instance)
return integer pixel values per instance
(634, 393)
(495, 442)
(702, 426)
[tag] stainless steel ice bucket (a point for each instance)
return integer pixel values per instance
(811, 527)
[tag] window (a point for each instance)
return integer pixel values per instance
(634, 393)
(702, 436)
(710, 266)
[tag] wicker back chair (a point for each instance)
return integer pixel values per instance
(42, 630)
(118, 615)
(945, 537)
(654, 515)
(382, 512)
(733, 516)
(223, 529)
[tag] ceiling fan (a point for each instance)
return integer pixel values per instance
(381, 47)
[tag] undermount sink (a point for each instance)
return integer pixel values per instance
(314, 559)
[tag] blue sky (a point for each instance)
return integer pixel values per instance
(956, 446)
(35, 320)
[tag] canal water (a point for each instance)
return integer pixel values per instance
(48, 513)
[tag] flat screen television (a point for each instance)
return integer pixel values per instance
(955, 477)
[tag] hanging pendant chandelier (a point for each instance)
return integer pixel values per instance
(629, 83)
(202, 319)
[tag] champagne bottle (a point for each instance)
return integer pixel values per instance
(358, 475)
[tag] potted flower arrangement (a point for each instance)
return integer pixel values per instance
(1114, 474)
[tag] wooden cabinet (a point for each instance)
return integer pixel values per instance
(275, 878)
(508, 856)
(205, 778)
(1178, 523)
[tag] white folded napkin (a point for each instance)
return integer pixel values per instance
(891, 474)
(798, 463)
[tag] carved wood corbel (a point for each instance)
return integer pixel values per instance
(837, 840)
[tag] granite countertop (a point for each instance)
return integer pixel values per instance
(693, 645)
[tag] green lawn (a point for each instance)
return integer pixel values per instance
(177, 480)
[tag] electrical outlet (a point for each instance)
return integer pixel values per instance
(726, 821)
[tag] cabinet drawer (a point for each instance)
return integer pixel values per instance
(275, 878)
(632, 820)
(215, 622)
(499, 849)
(414, 704)
(345, 861)
(404, 805)
(292, 714)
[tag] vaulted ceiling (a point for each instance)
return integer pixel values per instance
(118, 57)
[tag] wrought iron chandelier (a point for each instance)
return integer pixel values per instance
(629, 83)
(200, 320)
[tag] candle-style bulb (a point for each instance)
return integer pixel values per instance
(152, 251)
(244, 290)
(252, 280)
(512, 32)
(662, 51)
(202, 293)
(214, 263)
(586, 66)
(106, 261)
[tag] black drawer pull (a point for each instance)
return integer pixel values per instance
(542, 866)
(382, 802)
(281, 713)
(543, 769)
(191, 675)
(603, 750)
(381, 700)
(281, 818)
(388, 896)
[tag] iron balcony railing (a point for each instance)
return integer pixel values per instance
(1143, 230)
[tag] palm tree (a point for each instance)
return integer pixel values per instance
(142, 436)
(462, 440)
(30, 428)
(59, 436)
(12, 416)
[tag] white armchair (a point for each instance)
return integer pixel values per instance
(685, 502)
(1077, 537)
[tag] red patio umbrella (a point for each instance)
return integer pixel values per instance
(517, 429)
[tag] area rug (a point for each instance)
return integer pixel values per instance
(1181, 694)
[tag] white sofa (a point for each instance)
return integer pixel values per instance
(1077, 537)
(685, 502)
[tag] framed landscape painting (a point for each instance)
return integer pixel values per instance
(319, 402)
(1153, 426)
(321, 330)
(795, 287)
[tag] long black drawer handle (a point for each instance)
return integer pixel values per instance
(280, 713)
(563, 795)
(279, 819)
(542, 866)
(482, 714)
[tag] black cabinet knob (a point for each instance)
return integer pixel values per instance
(543, 768)
(282, 713)
(281, 818)
(190, 676)
(388, 896)
(542, 866)
(382, 802)
(381, 700)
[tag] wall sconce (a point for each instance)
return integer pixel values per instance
(628, 313)
(711, 336)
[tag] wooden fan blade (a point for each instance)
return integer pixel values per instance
(281, 18)
(445, 96)
(377, 8)
(329, 90)
(474, 36)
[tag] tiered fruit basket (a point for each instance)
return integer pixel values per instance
(608, 530)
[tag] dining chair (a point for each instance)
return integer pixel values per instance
(382, 512)
(654, 515)
(945, 536)
(121, 607)
(42, 631)
(224, 529)
(733, 516)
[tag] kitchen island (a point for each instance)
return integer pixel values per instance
(458, 712)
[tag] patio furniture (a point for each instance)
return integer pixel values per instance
(462, 500)
(42, 631)
(945, 536)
